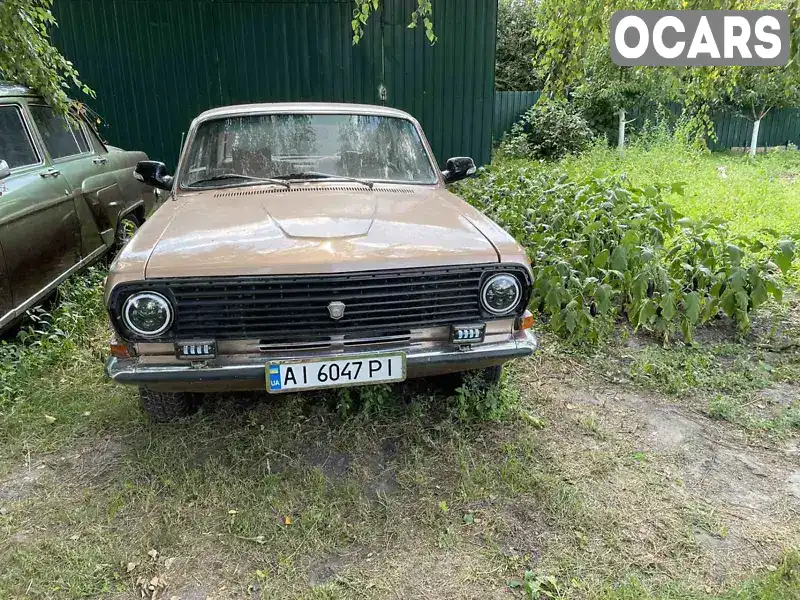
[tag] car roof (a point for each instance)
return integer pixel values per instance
(324, 108)
(8, 89)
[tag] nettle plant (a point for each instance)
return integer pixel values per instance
(604, 249)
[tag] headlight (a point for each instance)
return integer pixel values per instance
(148, 314)
(501, 294)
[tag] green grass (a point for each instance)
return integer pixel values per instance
(753, 194)
(261, 495)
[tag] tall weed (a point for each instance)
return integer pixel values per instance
(46, 338)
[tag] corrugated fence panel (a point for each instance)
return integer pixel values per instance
(778, 127)
(508, 108)
(156, 64)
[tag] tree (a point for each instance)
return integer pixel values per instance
(606, 89)
(757, 90)
(364, 8)
(575, 32)
(517, 46)
(28, 57)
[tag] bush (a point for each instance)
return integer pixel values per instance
(517, 46)
(551, 129)
(603, 248)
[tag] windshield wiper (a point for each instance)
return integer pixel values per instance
(224, 176)
(317, 175)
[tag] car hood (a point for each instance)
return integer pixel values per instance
(316, 228)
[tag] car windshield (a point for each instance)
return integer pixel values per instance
(306, 147)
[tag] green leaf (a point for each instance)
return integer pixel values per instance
(647, 312)
(735, 253)
(742, 301)
(571, 320)
(553, 300)
(601, 259)
(679, 188)
(728, 302)
(738, 279)
(774, 289)
(668, 310)
(631, 238)
(784, 255)
(692, 303)
(759, 294)
(619, 258)
(592, 227)
(602, 296)
(687, 330)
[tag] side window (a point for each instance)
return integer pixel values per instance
(83, 143)
(59, 137)
(93, 140)
(16, 147)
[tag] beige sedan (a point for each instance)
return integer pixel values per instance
(306, 246)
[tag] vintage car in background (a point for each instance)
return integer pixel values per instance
(306, 246)
(66, 199)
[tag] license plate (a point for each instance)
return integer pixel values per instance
(297, 375)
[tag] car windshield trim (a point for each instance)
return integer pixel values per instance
(435, 170)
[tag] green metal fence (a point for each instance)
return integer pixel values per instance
(155, 64)
(508, 108)
(778, 127)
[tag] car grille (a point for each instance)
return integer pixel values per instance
(277, 309)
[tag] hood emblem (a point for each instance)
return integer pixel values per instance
(336, 310)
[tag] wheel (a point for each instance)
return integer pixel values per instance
(165, 407)
(492, 375)
(127, 227)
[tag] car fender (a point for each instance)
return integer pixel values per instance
(105, 199)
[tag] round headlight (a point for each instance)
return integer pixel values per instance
(148, 314)
(501, 294)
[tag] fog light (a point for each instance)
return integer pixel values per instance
(120, 350)
(196, 350)
(526, 321)
(468, 334)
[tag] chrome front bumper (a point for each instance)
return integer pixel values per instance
(250, 369)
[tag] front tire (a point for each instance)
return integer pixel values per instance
(127, 227)
(166, 407)
(492, 375)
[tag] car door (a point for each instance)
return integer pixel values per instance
(121, 193)
(39, 228)
(87, 175)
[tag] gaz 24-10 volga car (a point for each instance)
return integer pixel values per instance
(305, 246)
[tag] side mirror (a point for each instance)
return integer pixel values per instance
(153, 173)
(458, 168)
(4, 170)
